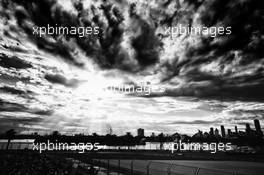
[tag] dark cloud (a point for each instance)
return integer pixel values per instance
(147, 44)
(6, 106)
(201, 84)
(253, 113)
(12, 80)
(105, 48)
(42, 112)
(194, 122)
(9, 107)
(15, 91)
(13, 62)
(235, 55)
(60, 79)
(212, 106)
(42, 13)
(245, 18)
(22, 120)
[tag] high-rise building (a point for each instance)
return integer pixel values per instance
(258, 128)
(216, 132)
(248, 129)
(229, 132)
(236, 131)
(223, 131)
(211, 132)
(140, 132)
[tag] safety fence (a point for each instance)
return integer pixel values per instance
(144, 167)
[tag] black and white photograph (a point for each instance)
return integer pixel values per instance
(131, 87)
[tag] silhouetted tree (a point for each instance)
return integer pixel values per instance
(55, 133)
(10, 135)
(161, 139)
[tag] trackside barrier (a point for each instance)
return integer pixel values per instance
(181, 169)
(203, 171)
(156, 168)
(144, 167)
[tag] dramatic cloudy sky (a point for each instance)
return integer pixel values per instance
(59, 82)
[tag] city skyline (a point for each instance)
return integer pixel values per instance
(220, 131)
